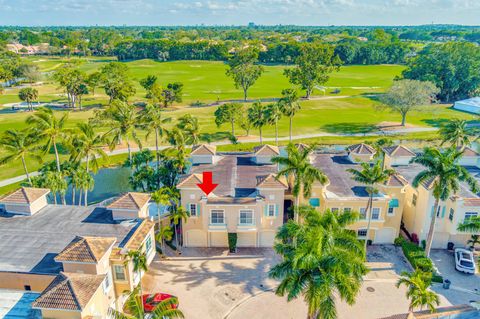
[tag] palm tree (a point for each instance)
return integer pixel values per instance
(471, 225)
(57, 184)
(50, 128)
(417, 284)
(28, 95)
(257, 115)
(322, 260)
(19, 145)
(153, 121)
(456, 133)
(178, 215)
(274, 114)
(139, 263)
(162, 196)
(289, 105)
(134, 308)
(474, 240)
(443, 175)
(88, 145)
(189, 124)
(371, 175)
(165, 233)
(296, 167)
(86, 184)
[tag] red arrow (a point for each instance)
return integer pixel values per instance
(207, 186)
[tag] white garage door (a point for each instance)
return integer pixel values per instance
(218, 239)
(196, 238)
(267, 238)
(246, 239)
(384, 236)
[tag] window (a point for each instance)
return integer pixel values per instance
(119, 272)
(334, 209)
(193, 210)
(246, 217)
(469, 215)
(315, 202)
(451, 214)
(217, 217)
(106, 283)
(391, 210)
(363, 213)
(438, 211)
(27, 288)
(414, 200)
(362, 233)
(347, 210)
(271, 210)
(148, 244)
(376, 213)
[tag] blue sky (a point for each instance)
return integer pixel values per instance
(238, 12)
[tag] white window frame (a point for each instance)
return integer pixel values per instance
(379, 213)
(469, 215)
(217, 211)
(364, 213)
(361, 230)
(107, 283)
(123, 272)
(148, 247)
(245, 211)
(392, 209)
(271, 210)
(190, 205)
(347, 209)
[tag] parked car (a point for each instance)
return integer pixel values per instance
(464, 261)
(150, 301)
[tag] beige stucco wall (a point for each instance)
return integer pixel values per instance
(18, 281)
(25, 208)
(100, 268)
(130, 214)
(61, 314)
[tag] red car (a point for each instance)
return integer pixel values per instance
(150, 301)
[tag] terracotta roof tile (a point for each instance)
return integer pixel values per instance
(471, 202)
(302, 146)
(266, 150)
(361, 148)
(131, 200)
(396, 180)
(190, 181)
(69, 291)
(135, 242)
(398, 150)
(86, 249)
(469, 152)
(25, 195)
(270, 181)
(204, 149)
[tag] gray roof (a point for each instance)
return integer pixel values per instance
(30, 243)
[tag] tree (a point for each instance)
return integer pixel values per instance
(456, 133)
(87, 144)
(417, 284)
(442, 174)
(28, 95)
(321, 260)
(86, 183)
(257, 116)
(139, 263)
(116, 81)
(148, 82)
(173, 93)
(474, 239)
(228, 113)
(313, 66)
(189, 124)
(19, 145)
(470, 225)
(93, 81)
(57, 184)
(371, 175)
(71, 79)
(300, 173)
(407, 95)
(30, 72)
(452, 67)
(179, 214)
(274, 114)
(289, 106)
(243, 69)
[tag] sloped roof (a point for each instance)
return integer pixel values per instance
(86, 249)
(69, 291)
(361, 148)
(469, 152)
(135, 242)
(25, 195)
(204, 149)
(266, 150)
(131, 201)
(396, 180)
(398, 150)
(302, 146)
(190, 181)
(270, 181)
(471, 202)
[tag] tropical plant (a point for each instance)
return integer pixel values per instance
(257, 116)
(28, 95)
(289, 106)
(300, 173)
(244, 70)
(139, 266)
(321, 260)
(370, 175)
(456, 133)
(57, 184)
(86, 184)
(178, 215)
(274, 114)
(470, 225)
(86, 144)
(417, 284)
(228, 113)
(474, 239)
(189, 124)
(443, 174)
(165, 233)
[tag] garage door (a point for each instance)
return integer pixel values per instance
(384, 236)
(246, 239)
(267, 238)
(196, 238)
(218, 239)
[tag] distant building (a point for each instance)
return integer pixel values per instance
(41, 48)
(471, 105)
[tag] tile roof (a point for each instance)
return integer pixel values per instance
(190, 181)
(204, 149)
(302, 146)
(266, 150)
(471, 202)
(398, 150)
(271, 181)
(361, 148)
(86, 249)
(396, 180)
(136, 240)
(130, 200)
(469, 152)
(69, 291)
(25, 195)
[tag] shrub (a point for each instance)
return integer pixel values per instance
(398, 241)
(417, 258)
(232, 242)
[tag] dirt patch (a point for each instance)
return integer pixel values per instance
(392, 126)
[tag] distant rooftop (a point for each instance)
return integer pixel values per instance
(24, 195)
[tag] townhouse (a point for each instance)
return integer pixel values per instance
(74, 258)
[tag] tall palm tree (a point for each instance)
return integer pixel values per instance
(19, 145)
(417, 284)
(300, 173)
(322, 260)
(140, 265)
(57, 184)
(289, 106)
(86, 184)
(162, 196)
(28, 95)
(165, 233)
(257, 115)
(178, 215)
(474, 240)
(371, 175)
(456, 133)
(134, 308)
(471, 225)
(443, 175)
(49, 128)
(87, 144)
(189, 124)
(76, 182)
(153, 121)
(274, 114)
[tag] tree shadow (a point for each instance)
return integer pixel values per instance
(214, 137)
(349, 128)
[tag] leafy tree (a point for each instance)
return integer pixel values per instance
(313, 66)
(116, 81)
(456, 133)
(86, 183)
(274, 114)
(243, 69)
(470, 225)
(300, 173)
(289, 106)
(86, 144)
(9, 63)
(257, 116)
(28, 95)
(321, 260)
(70, 78)
(189, 124)
(56, 183)
(443, 175)
(228, 113)
(148, 82)
(417, 284)
(173, 93)
(407, 95)
(30, 72)
(93, 81)
(371, 175)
